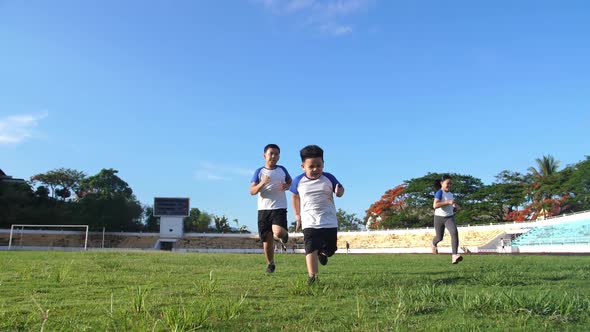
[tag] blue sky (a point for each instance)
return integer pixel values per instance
(182, 96)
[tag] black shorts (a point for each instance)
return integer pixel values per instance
(267, 218)
(321, 239)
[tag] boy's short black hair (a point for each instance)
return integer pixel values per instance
(311, 151)
(272, 146)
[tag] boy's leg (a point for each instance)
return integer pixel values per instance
(311, 260)
(265, 234)
(269, 250)
(279, 225)
(329, 239)
(312, 242)
(280, 233)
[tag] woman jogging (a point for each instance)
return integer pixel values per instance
(444, 216)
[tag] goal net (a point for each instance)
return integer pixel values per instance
(59, 237)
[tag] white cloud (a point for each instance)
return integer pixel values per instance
(344, 7)
(212, 172)
(335, 29)
(17, 128)
(325, 16)
(294, 6)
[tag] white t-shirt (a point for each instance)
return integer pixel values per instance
(271, 196)
(317, 200)
(447, 210)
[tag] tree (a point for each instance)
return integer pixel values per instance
(221, 224)
(108, 201)
(16, 202)
(151, 222)
(578, 185)
(63, 193)
(391, 204)
(49, 179)
(42, 193)
(241, 228)
(69, 180)
(292, 227)
(105, 185)
(63, 182)
(545, 193)
(348, 222)
(546, 167)
(542, 176)
(244, 229)
(197, 221)
(496, 201)
(115, 214)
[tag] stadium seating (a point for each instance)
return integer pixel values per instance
(577, 232)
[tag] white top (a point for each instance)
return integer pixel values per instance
(317, 200)
(270, 196)
(447, 210)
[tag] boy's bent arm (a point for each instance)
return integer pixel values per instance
(255, 187)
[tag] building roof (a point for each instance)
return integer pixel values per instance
(7, 178)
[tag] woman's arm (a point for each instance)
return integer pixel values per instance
(438, 203)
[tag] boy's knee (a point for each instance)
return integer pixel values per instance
(266, 236)
(278, 228)
(329, 252)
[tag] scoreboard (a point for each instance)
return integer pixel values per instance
(171, 206)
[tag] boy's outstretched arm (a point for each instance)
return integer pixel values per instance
(296, 200)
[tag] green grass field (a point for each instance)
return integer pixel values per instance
(164, 291)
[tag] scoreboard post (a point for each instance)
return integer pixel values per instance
(171, 210)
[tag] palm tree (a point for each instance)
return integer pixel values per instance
(545, 167)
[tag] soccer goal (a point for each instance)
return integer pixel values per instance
(39, 236)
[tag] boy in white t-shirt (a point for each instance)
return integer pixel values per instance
(270, 183)
(315, 212)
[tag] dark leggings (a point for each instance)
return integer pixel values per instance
(439, 227)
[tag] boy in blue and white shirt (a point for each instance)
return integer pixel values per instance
(315, 211)
(270, 183)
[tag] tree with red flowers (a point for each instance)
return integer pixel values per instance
(545, 191)
(391, 203)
